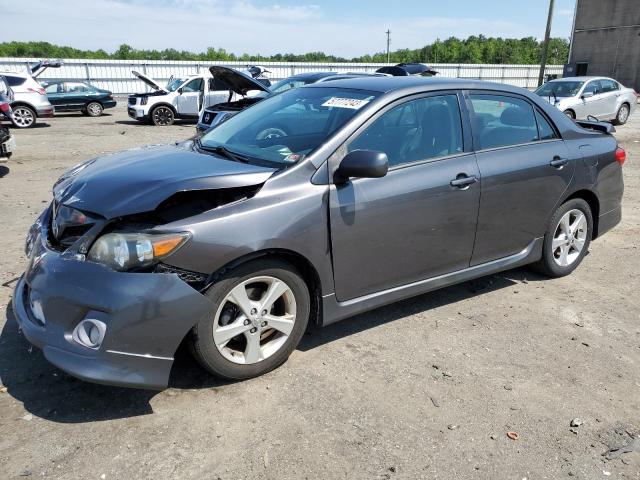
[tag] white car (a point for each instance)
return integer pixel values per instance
(587, 98)
(180, 98)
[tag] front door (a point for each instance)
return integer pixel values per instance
(190, 98)
(413, 223)
(525, 169)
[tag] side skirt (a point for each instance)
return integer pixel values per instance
(333, 310)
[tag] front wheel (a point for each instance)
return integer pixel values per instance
(23, 116)
(162, 116)
(261, 312)
(567, 239)
(94, 109)
(622, 116)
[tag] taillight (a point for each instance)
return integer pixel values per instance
(37, 90)
(4, 107)
(621, 155)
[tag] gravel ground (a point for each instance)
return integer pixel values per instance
(426, 388)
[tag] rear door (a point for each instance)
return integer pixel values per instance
(413, 223)
(55, 94)
(217, 92)
(525, 169)
(610, 94)
(191, 97)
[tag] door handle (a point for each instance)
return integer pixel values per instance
(462, 181)
(558, 162)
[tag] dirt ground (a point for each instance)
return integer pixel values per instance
(426, 388)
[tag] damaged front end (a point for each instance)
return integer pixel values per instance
(97, 296)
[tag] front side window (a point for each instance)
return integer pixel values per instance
(417, 130)
(194, 85)
(502, 121)
(284, 128)
(593, 87)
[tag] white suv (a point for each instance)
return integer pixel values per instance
(30, 101)
(180, 98)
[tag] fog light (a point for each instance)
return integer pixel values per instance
(89, 333)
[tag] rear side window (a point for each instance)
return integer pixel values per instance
(502, 121)
(416, 130)
(14, 81)
(545, 129)
(609, 86)
(216, 84)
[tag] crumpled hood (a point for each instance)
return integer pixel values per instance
(137, 181)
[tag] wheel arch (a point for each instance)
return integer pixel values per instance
(22, 103)
(163, 104)
(300, 262)
(594, 204)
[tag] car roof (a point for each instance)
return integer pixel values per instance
(579, 79)
(384, 84)
(310, 75)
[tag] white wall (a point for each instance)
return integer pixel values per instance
(115, 75)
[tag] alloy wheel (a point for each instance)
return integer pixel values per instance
(623, 114)
(162, 116)
(94, 109)
(254, 320)
(23, 117)
(569, 237)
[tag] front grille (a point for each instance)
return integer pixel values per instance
(195, 279)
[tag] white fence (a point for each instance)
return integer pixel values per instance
(115, 75)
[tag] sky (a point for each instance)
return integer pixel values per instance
(345, 28)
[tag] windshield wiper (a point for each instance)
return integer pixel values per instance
(223, 152)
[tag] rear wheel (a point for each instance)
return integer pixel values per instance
(93, 109)
(261, 312)
(570, 113)
(23, 116)
(623, 115)
(567, 239)
(162, 116)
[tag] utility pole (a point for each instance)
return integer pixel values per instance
(388, 32)
(545, 46)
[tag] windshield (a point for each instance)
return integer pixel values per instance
(289, 83)
(173, 85)
(283, 129)
(560, 89)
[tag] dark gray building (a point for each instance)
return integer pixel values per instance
(606, 40)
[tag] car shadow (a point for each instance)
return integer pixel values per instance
(139, 123)
(4, 171)
(51, 394)
(79, 114)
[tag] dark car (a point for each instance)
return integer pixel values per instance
(408, 69)
(381, 189)
(73, 96)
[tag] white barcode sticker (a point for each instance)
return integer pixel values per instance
(353, 103)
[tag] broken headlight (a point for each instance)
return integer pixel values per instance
(128, 251)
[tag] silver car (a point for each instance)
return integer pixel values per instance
(584, 97)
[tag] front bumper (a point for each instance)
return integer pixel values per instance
(7, 148)
(147, 315)
(136, 112)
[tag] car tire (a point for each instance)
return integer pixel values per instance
(570, 113)
(567, 239)
(622, 116)
(162, 116)
(93, 109)
(23, 116)
(229, 358)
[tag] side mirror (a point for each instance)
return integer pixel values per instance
(180, 90)
(587, 95)
(361, 164)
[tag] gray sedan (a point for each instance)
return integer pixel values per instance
(378, 189)
(585, 97)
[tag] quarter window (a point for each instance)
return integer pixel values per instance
(417, 130)
(502, 121)
(545, 129)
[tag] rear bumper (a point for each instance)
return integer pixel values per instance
(109, 103)
(146, 316)
(608, 220)
(45, 111)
